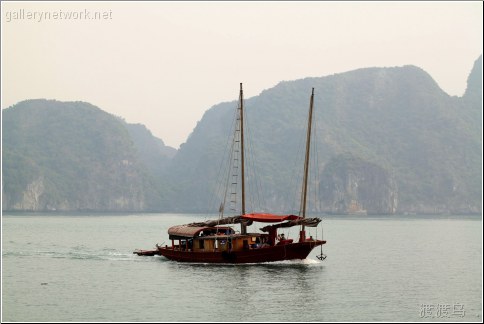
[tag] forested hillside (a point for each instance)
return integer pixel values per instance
(74, 156)
(388, 140)
(429, 144)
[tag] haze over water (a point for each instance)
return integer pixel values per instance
(394, 268)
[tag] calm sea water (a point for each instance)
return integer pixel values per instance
(81, 268)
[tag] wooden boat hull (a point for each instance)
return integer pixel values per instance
(292, 251)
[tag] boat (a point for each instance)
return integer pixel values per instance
(216, 241)
(355, 209)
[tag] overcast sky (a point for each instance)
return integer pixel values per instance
(163, 64)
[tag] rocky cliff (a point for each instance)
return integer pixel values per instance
(387, 140)
(422, 145)
(72, 156)
(350, 185)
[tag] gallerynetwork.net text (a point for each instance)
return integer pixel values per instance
(40, 16)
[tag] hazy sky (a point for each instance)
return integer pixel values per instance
(163, 64)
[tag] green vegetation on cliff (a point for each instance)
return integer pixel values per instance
(395, 118)
(388, 139)
(71, 156)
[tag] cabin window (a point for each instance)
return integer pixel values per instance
(201, 244)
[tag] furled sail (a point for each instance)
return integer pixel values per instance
(256, 217)
(291, 220)
(310, 222)
(221, 221)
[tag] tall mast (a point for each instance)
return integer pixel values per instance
(243, 226)
(302, 235)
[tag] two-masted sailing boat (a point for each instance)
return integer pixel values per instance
(216, 242)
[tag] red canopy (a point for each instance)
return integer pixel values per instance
(269, 218)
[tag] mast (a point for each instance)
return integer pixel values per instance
(243, 226)
(302, 234)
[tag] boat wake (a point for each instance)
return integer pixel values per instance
(305, 262)
(77, 253)
(285, 263)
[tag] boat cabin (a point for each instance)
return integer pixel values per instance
(217, 239)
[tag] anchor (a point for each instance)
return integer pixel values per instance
(321, 256)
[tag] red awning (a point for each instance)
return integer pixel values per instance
(269, 218)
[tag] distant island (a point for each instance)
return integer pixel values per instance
(390, 142)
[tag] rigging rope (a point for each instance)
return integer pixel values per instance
(293, 196)
(315, 171)
(255, 188)
(220, 187)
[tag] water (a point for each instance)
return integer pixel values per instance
(81, 268)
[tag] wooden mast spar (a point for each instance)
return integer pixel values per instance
(302, 234)
(243, 225)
